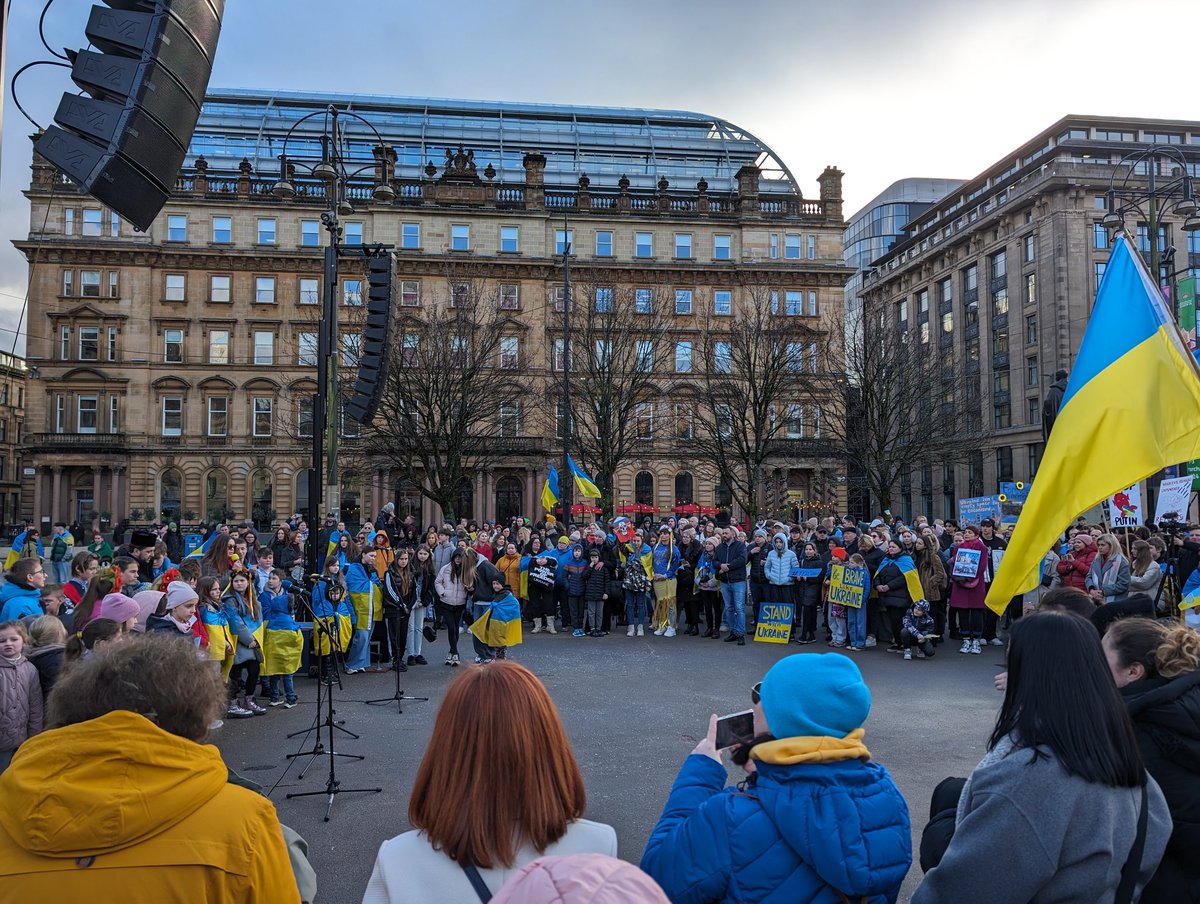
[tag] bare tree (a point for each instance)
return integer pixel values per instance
(755, 368)
(444, 413)
(907, 405)
(618, 344)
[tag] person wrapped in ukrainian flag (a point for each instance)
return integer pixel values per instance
(899, 586)
(333, 625)
(500, 626)
(283, 643)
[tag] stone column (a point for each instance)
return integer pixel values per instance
(56, 493)
(489, 495)
(376, 492)
(38, 477)
(478, 494)
(115, 491)
(96, 472)
(531, 494)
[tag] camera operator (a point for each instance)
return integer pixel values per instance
(1187, 552)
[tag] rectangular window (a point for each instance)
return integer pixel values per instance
(970, 278)
(1000, 301)
(114, 224)
(510, 239)
(812, 302)
(816, 419)
(218, 346)
(643, 244)
(218, 416)
(794, 422)
(510, 297)
(999, 265)
(722, 302)
(643, 416)
(683, 357)
(408, 349)
(352, 292)
(173, 346)
(114, 414)
(604, 244)
(812, 247)
(1002, 415)
(458, 351)
(604, 300)
(264, 347)
(310, 290)
(264, 290)
(114, 284)
(410, 293)
(723, 414)
(1030, 288)
(410, 236)
(93, 221)
(901, 313)
(558, 354)
(1031, 372)
(564, 241)
(64, 343)
(1099, 237)
(218, 289)
(922, 302)
(68, 282)
(721, 247)
(509, 352)
(509, 417)
(722, 357)
(60, 414)
(89, 343)
(685, 422)
(1031, 330)
(971, 312)
(266, 230)
(351, 349)
(460, 295)
(644, 355)
(946, 291)
(948, 322)
(306, 349)
(1000, 341)
(310, 233)
(176, 287)
(460, 238)
(89, 283)
(643, 301)
(791, 246)
(793, 303)
(68, 221)
(683, 244)
(795, 357)
(1030, 247)
(683, 301)
(1099, 272)
(354, 234)
(172, 416)
(304, 417)
(177, 228)
(923, 332)
(262, 416)
(603, 353)
(112, 343)
(1033, 414)
(222, 230)
(88, 411)
(774, 237)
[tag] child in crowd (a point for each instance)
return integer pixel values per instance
(636, 585)
(836, 618)
(595, 591)
(91, 641)
(21, 694)
(47, 645)
(284, 642)
(53, 599)
(917, 630)
(856, 618)
(575, 572)
(178, 612)
(217, 642)
(245, 624)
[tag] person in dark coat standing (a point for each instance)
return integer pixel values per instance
(1157, 670)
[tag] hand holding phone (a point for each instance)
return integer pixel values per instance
(736, 728)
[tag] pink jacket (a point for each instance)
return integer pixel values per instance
(580, 879)
(970, 593)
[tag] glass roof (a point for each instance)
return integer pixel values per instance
(603, 142)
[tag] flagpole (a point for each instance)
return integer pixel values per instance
(566, 477)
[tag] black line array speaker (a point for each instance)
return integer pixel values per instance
(125, 139)
(373, 358)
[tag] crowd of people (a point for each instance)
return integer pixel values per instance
(1098, 768)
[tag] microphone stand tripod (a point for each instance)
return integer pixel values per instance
(332, 785)
(398, 696)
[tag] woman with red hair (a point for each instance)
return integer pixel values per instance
(524, 797)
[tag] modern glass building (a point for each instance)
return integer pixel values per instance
(605, 143)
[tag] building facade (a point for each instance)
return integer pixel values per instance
(176, 368)
(13, 381)
(1001, 274)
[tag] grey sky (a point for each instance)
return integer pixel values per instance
(881, 89)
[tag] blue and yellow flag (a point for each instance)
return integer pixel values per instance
(500, 625)
(1132, 406)
(199, 551)
(582, 481)
(550, 490)
(911, 579)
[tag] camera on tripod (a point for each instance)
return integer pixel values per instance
(1170, 524)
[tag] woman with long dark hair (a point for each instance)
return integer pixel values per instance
(1062, 791)
(399, 597)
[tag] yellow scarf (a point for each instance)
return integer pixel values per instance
(790, 751)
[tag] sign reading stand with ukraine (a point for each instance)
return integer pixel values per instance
(1132, 406)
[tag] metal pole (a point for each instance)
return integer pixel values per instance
(1155, 266)
(316, 476)
(566, 480)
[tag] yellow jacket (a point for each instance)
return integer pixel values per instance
(116, 809)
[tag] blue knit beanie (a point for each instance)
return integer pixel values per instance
(814, 694)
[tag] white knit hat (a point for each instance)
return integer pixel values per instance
(179, 593)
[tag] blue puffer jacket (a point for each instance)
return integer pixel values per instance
(778, 567)
(801, 833)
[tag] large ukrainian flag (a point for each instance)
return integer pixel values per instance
(1132, 407)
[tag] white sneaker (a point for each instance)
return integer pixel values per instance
(966, 645)
(975, 648)
(550, 629)
(908, 654)
(641, 631)
(870, 641)
(630, 632)
(537, 629)
(658, 632)
(996, 642)
(670, 632)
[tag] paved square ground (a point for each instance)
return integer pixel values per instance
(633, 707)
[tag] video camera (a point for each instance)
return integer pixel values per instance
(1170, 525)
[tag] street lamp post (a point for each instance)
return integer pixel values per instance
(335, 171)
(1124, 198)
(566, 480)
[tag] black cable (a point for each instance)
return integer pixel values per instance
(42, 32)
(12, 85)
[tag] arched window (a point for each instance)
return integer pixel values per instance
(302, 492)
(216, 497)
(643, 488)
(170, 495)
(724, 496)
(262, 492)
(464, 500)
(408, 501)
(351, 510)
(683, 488)
(509, 491)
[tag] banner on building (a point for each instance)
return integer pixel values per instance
(774, 622)
(848, 585)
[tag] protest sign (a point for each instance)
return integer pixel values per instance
(1125, 507)
(1174, 494)
(974, 509)
(848, 585)
(807, 572)
(966, 563)
(774, 622)
(1012, 500)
